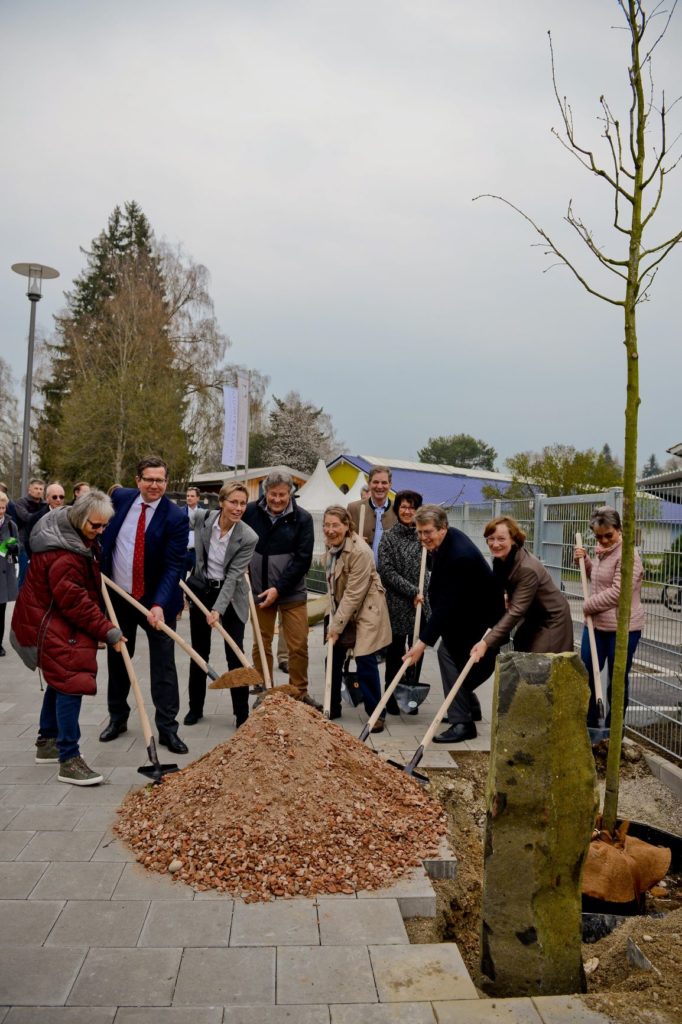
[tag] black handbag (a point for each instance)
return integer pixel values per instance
(351, 690)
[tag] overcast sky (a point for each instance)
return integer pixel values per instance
(320, 158)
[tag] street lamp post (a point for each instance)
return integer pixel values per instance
(36, 274)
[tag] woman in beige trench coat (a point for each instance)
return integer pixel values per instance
(358, 612)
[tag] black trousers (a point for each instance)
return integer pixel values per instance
(466, 703)
(162, 673)
(399, 645)
(201, 634)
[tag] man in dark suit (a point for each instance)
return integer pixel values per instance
(465, 601)
(143, 550)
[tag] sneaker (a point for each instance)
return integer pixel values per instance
(76, 771)
(46, 750)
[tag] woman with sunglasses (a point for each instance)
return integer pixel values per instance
(602, 604)
(58, 623)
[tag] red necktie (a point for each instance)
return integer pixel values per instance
(138, 554)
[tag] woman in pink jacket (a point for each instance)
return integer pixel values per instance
(602, 604)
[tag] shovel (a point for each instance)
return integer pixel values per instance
(431, 731)
(255, 625)
(327, 702)
(203, 665)
(154, 771)
(246, 676)
(388, 693)
(601, 732)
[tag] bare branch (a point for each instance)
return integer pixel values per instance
(663, 249)
(655, 14)
(553, 248)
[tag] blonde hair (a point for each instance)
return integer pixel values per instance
(341, 513)
(228, 489)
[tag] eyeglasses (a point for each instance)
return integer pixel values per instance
(57, 497)
(96, 526)
(153, 480)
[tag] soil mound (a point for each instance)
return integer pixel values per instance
(290, 806)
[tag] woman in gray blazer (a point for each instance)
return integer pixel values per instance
(224, 546)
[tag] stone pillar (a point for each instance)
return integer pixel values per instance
(540, 803)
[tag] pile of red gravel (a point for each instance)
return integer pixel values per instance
(291, 805)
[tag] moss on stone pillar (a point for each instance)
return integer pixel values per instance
(540, 803)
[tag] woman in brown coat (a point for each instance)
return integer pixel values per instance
(535, 605)
(358, 613)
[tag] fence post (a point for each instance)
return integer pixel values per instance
(538, 532)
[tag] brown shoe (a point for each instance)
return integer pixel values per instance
(379, 727)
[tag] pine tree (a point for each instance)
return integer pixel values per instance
(651, 467)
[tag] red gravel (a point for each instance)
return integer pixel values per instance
(291, 805)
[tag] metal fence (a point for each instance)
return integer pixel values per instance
(655, 710)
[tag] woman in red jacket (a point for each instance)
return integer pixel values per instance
(58, 623)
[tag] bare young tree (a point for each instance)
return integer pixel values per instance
(635, 170)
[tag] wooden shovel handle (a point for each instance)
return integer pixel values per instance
(255, 625)
(217, 625)
(327, 702)
(203, 665)
(599, 696)
(418, 616)
(388, 693)
(132, 676)
(361, 520)
(443, 709)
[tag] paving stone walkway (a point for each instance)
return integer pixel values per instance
(87, 936)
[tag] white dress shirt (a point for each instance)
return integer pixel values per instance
(124, 549)
(215, 560)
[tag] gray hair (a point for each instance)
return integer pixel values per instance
(380, 469)
(278, 478)
(433, 514)
(606, 516)
(92, 503)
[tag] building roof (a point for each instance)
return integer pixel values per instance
(438, 485)
(222, 475)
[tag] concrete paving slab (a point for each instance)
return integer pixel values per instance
(126, 977)
(6, 815)
(45, 819)
(86, 797)
(37, 796)
(99, 923)
(112, 849)
(60, 1015)
(384, 1013)
(566, 1010)
(170, 923)
(169, 1015)
(414, 893)
(28, 923)
(76, 880)
(35, 774)
(226, 977)
(94, 819)
(276, 1015)
(37, 976)
(418, 973)
(324, 974)
(17, 880)
(63, 846)
(363, 922)
(12, 843)
(283, 923)
(487, 1011)
(136, 883)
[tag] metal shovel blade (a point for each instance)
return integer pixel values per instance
(410, 767)
(156, 771)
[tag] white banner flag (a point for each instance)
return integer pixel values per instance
(231, 403)
(236, 432)
(242, 441)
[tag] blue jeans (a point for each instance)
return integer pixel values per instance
(59, 720)
(606, 652)
(368, 678)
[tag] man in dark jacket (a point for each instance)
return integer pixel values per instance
(465, 602)
(24, 509)
(143, 551)
(278, 569)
